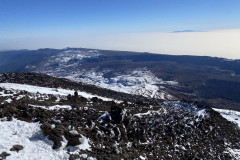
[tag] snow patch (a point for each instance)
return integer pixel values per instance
(161, 111)
(234, 152)
(74, 132)
(55, 107)
(84, 143)
(9, 100)
(35, 145)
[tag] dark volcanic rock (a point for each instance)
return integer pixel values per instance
(3, 155)
(73, 139)
(16, 148)
(116, 114)
(54, 134)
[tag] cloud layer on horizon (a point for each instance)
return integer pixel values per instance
(187, 30)
(217, 43)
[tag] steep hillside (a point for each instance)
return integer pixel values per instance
(52, 118)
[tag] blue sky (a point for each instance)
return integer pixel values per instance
(28, 19)
(19, 17)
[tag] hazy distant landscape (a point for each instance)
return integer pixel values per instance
(214, 81)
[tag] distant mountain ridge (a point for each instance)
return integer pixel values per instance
(8, 57)
(209, 80)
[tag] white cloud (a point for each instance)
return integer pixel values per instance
(220, 43)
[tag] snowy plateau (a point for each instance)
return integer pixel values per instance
(139, 81)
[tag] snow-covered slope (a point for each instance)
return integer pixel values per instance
(35, 145)
(140, 82)
(17, 88)
(230, 115)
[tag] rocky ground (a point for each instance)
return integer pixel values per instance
(115, 125)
